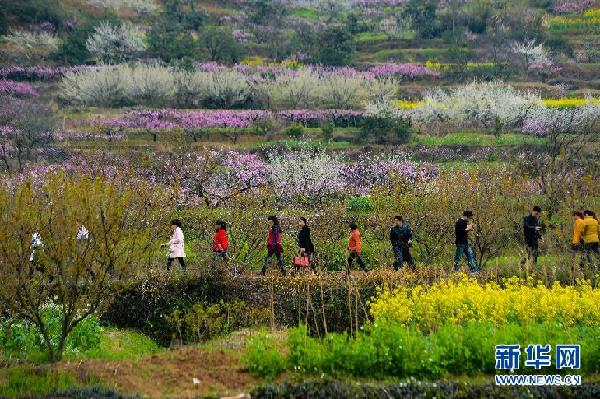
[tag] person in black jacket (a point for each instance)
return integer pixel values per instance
(401, 239)
(532, 232)
(306, 246)
(461, 231)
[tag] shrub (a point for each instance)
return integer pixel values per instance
(360, 204)
(263, 357)
(392, 350)
(384, 129)
(203, 321)
(327, 131)
(22, 339)
(336, 47)
(295, 131)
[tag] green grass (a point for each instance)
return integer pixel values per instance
(120, 345)
(306, 13)
(475, 139)
(407, 55)
(29, 382)
(371, 37)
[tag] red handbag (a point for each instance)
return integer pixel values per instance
(300, 261)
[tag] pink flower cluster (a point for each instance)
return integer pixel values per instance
(544, 67)
(569, 6)
(234, 119)
(36, 72)
(83, 136)
(403, 70)
(316, 116)
(202, 119)
(18, 89)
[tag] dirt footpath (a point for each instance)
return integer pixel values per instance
(181, 373)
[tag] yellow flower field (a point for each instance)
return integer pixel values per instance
(463, 300)
(569, 102)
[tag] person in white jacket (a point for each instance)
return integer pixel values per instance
(176, 245)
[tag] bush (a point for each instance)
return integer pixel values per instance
(296, 131)
(384, 129)
(327, 131)
(336, 47)
(35, 11)
(4, 28)
(392, 350)
(359, 204)
(263, 357)
(73, 49)
(23, 340)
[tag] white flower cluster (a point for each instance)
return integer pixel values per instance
(475, 105)
(115, 43)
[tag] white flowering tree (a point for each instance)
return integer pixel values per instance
(115, 43)
(486, 105)
(531, 51)
(306, 176)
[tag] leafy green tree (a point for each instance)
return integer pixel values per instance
(336, 47)
(34, 11)
(221, 45)
(265, 12)
(172, 42)
(73, 50)
(423, 15)
(184, 13)
(384, 129)
(3, 23)
(91, 238)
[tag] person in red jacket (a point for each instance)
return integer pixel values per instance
(274, 245)
(220, 242)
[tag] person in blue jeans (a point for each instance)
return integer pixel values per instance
(461, 230)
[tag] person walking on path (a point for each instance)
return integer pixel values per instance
(401, 239)
(305, 243)
(590, 239)
(461, 230)
(354, 249)
(176, 245)
(220, 243)
(274, 246)
(577, 242)
(533, 234)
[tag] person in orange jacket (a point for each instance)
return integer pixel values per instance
(355, 248)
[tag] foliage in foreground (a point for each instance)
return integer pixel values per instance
(73, 241)
(340, 389)
(19, 338)
(25, 381)
(391, 350)
(462, 300)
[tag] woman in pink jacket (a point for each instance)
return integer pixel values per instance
(176, 245)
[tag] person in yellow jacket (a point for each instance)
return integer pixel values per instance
(590, 238)
(578, 225)
(577, 243)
